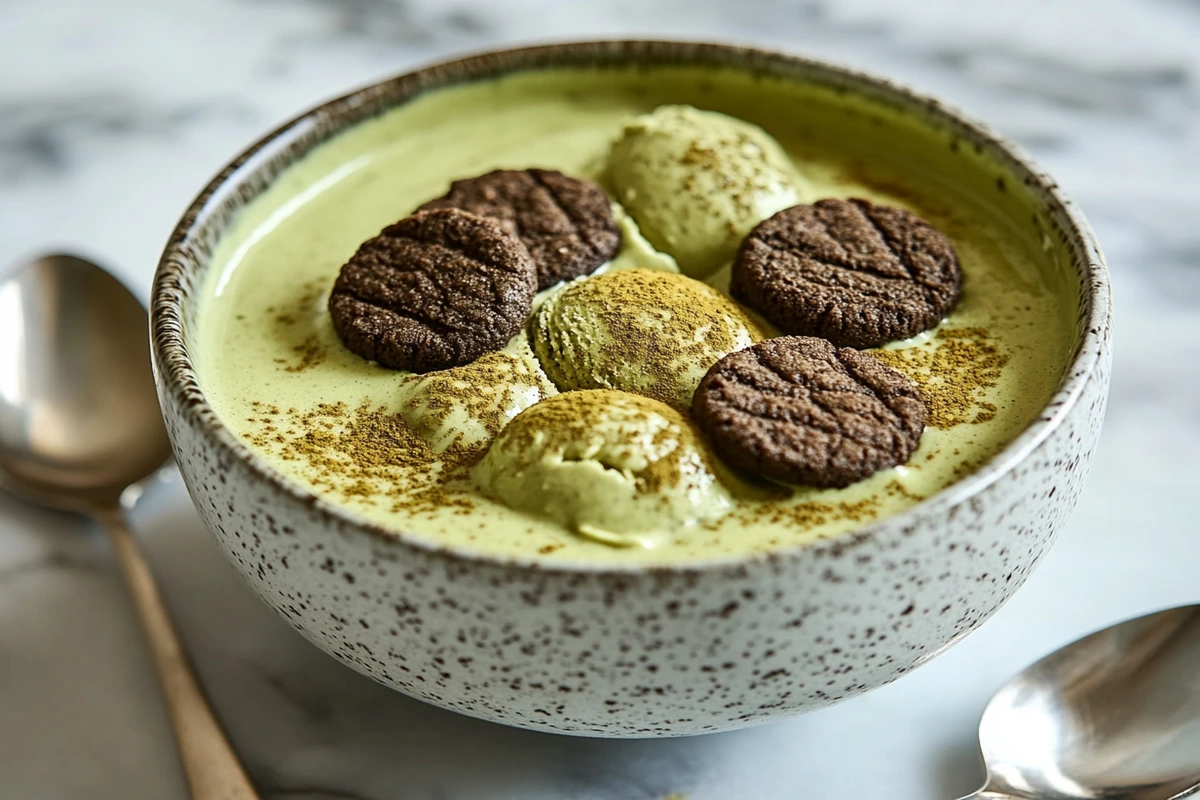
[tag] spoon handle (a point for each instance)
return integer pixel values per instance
(213, 771)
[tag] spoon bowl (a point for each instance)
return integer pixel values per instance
(79, 420)
(1113, 715)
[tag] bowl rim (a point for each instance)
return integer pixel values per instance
(169, 296)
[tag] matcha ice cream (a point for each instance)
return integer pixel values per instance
(642, 331)
(613, 466)
(698, 181)
(465, 407)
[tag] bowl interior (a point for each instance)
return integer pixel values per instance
(936, 156)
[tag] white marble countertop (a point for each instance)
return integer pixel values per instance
(113, 114)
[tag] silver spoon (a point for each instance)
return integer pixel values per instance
(1113, 715)
(79, 424)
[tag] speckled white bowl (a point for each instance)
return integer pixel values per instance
(633, 652)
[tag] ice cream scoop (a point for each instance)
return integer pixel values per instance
(465, 407)
(698, 181)
(612, 466)
(642, 331)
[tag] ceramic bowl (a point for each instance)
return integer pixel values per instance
(636, 652)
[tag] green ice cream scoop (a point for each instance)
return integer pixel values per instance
(612, 466)
(697, 182)
(642, 331)
(463, 408)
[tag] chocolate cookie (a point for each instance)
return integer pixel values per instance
(850, 271)
(435, 290)
(800, 410)
(566, 223)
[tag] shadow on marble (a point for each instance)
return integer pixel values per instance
(78, 703)
(960, 770)
(38, 538)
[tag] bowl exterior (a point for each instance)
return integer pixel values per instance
(628, 652)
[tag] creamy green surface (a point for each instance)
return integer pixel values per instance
(264, 335)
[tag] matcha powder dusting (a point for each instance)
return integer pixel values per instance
(954, 372)
(364, 453)
(650, 333)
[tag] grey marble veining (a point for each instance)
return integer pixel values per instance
(41, 137)
(112, 115)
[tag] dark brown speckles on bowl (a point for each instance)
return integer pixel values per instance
(633, 652)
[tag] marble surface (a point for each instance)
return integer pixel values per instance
(113, 114)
